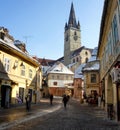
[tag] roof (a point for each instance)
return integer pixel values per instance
(93, 55)
(59, 68)
(92, 66)
(92, 63)
(77, 51)
(72, 18)
(17, 51)
(78, 72)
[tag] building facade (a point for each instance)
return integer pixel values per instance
(79, 83)
(91, 75)
(60, 79)
(109, 56)
(19, 73)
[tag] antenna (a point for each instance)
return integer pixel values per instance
(26, 38)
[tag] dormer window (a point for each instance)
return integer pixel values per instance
(2, 35)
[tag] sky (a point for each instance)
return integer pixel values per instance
(40, 23)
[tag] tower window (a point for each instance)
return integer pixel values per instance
(75, 33)
(86, 60)
(86, 53)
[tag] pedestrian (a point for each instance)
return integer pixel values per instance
(19, 100)
(65, 100)
(28, 101)
(51, 99)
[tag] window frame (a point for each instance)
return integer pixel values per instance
(7, 64)
(93, 78)
(23, 70)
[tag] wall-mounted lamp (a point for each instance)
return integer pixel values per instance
(15, 64)
(21, 64)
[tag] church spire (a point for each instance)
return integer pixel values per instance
(72, 18)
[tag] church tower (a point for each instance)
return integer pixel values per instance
(72, 38)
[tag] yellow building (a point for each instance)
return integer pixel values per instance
(18, 72)
(109, 56)
(91, 76)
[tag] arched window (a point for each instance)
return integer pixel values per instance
(86, 53)
(75, 33)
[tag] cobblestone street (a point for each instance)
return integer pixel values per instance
(76, 117)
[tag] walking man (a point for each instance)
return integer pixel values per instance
(65, 100)
(51, 99)
(28, 101)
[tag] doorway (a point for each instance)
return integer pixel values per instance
(5, 96)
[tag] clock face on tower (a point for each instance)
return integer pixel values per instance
(75, 37)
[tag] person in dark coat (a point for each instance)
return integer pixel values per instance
(51, 99)
(28, 101)
(65, 100)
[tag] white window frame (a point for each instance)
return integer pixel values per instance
(7, 64)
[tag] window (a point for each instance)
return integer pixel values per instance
(52, 76)
(93, 78)
(119, 9)
(57, 76)
(2, 35)
(86, 53)
(30, 73)
(73, 60)
(7, 64)
(66, 77)
(86, 60)
(54, 83)
(75, 33)
(115, 30)
(110, 44)
(23, 70)
(77, 59)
